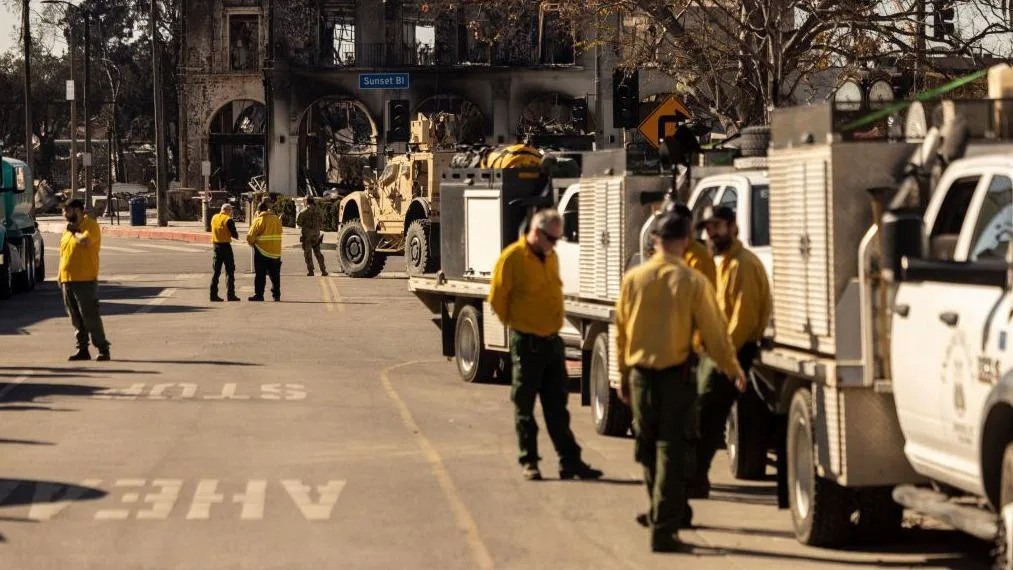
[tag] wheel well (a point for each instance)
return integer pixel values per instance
(351, 212)
(591, 332)
(997, 433)
(416, 211)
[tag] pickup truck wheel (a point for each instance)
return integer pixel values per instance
(746, 441)
(820, 509)
(474, 362)
(357, 253)
(6, 277)
(421, 251)
(1004, 538)
(879, 516)
(610, 415)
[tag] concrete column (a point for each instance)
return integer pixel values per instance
(282, 145)
(502, 125)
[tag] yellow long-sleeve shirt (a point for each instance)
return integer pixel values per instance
(526, 292)
(80, 261)
(661, 303)
(265, 235)
(743, 295)
(699, 258)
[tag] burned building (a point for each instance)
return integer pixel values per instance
(303, 91)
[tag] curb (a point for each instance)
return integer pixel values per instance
(135, 232)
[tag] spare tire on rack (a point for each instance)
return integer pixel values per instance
(754, 140)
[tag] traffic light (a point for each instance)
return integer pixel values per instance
(625, 98)
(398, 121)
(578, 113)
(943, 15)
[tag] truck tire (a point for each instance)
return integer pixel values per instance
(6, 277)
(879, 516)
(754, 140)
(24, 280)
(421, 248)
(40, 268)
(747, 440)
(820, 509)
(357, 253)
(610, 415)
(1004, 538)
(474, 362)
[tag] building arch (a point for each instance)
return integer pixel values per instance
(472, 125)
(338, 139)
(237, 139)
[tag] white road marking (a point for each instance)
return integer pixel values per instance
(44, 507)
(116, 249)
(130, 393)
(14, 384)
(175, 248)
(121, 514)
(314, 511)
(228, 393)
(159, 300)
(253, 500)
(163, 501)
(205, 496)
(282, 392)
(191, 391)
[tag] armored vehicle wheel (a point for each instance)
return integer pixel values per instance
(421, 248)
(746, 440)
(820, 509)
(610, 415)
(356, 252)
(6, 277)
(474, 362)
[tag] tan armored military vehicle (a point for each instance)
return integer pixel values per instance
(398, 212)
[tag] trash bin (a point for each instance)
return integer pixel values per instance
(138, 214)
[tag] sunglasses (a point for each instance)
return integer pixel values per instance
(550, 237)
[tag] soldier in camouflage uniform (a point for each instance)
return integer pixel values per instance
(311, 220)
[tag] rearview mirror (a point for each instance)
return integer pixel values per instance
(901, 233)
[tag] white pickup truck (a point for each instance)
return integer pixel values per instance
(888, 361)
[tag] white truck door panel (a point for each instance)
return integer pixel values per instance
(915, 348)
(482, 217)
(568, 248)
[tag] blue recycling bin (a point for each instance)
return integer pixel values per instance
(138, 216)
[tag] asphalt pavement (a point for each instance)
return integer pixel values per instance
(325, 431)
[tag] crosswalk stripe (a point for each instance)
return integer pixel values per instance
(175, 248)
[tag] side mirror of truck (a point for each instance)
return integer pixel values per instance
(901, 233)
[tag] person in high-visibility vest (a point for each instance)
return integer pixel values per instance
(265, 238)
(518, 155)
(223, 231)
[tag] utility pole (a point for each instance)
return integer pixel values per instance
(86, 11)
(161, 166)
(27, 32)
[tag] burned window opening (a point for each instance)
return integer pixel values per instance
(337, 141)
(244, 47)
(236, 144)
(338, 33)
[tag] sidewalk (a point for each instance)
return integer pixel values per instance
(192, 232)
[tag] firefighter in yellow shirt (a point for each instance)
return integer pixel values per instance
(265, 238)
(223, 231)
(79, 264)
(661, 304)
(743, 294)
(527, 296)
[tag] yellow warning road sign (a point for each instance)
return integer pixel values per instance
(668, 107)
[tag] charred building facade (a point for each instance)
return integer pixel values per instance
(301, 92)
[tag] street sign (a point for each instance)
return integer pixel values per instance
(70, 89)
(668, 107)
(205, 168)
(383, 81)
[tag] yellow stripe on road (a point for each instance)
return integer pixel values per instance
(465, 522)
(335, 294)
(328, 300)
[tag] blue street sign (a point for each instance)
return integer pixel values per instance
(383, 81)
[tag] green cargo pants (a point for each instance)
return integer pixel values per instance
(717, 396)
(539, 370)
(80, 298)
(662, 402)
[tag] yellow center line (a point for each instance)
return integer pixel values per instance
(336, 295)
(465, 521)
(327, 296)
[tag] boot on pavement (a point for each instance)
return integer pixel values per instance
(644, 520)
(530, 472)
(580, 471)
(256, 298)
(323, 273)
(216, 299)
(81, 354)
(668, 542)
(309, 273)
(103, 356)
(233, 298)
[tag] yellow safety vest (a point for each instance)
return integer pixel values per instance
(265, 235)
(220, 229)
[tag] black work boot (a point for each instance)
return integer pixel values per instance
(103, 356)
(81, 354)
(530, 472)
(323, 273)
(309, 273)
(580, 471)
(216, 299)
(256, 298)
(644, 520)
(234, 298)
(668, 542)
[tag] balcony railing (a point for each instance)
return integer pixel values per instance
(416, 54)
